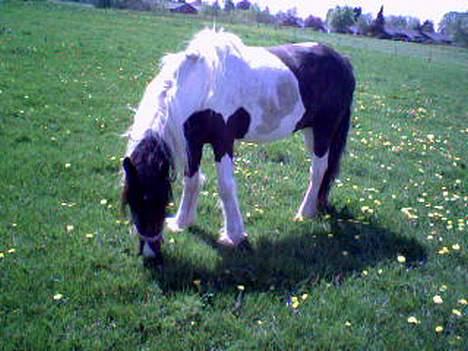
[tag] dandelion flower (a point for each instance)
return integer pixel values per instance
(443, 251)
(89, 236)
(437, 299)
(103, 202)
(462, 301)
(456, 312)
(348, 323)
(11, 251)
(413, 320)
(67, 165)
(2, 255)
(197, 282)
(58, 297)
(439, 329)
(294, 302)
(70, 228)
(456, 247)
(240, 287)
(304, 297)
(401, 258)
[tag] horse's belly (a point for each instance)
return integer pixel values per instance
(265, 129)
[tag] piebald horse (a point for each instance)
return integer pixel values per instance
(219, 90)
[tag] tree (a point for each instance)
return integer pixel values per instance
(455, 24)
(244, 5)
(315, 23)
(340, 19)
(399, 22)
(364, 23)
(229, 5)
(265, 16)
(427, 26)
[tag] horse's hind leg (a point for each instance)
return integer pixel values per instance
(319, 152)
(193, 180)
(233, 232)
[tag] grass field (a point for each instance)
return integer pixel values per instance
(381, 272)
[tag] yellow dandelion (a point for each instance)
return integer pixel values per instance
(456, 312)
(304, 296)
(103, 202)
(67, 165)
(294, 302)
(462, 302)
(240, 287)
(11, 251)
(439, 329)
(70, 228)
(456, 247)
(89, 236)
(443, 288)
(365, 273)
(2, 255)
(58, 297)
(409, 212)
(413, 320)
(443, 251)
(347, 324)
(437, 299)
(401, 259)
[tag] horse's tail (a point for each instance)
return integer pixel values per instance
(335, 152)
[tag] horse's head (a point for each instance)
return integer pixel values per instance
(147, 190)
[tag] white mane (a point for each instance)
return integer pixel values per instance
(172, 96)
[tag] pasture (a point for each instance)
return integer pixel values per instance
(386, 269)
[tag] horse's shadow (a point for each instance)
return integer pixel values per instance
(301, 258)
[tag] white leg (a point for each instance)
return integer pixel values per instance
(233, 232)
(309, 206)
(186, 214)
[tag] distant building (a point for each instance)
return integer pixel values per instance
(182, 7)
(437, 38)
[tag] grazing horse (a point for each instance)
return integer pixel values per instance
(218, 91)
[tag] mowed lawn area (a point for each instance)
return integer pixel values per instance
(385, 270)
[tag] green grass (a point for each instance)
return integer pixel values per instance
(67, 75)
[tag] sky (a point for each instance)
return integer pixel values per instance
(423, 9)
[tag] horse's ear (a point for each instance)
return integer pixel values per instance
(130, 170)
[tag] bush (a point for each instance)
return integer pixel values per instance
(340, 19)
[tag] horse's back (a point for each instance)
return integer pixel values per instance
(325, 77)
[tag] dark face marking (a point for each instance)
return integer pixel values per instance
(147, 189)
(277, 107)
(208, 127)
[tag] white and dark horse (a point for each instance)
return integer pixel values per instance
(218, 91)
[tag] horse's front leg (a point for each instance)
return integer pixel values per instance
(193, 181)
(187, 212)
(233, 232)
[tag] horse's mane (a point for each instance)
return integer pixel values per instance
(161, 111)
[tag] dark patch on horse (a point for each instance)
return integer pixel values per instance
(326, 84)
(209, 127)
(147, 190)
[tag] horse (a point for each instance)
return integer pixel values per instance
(218, 91)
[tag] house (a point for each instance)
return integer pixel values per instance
(181, 7)
(437, 38)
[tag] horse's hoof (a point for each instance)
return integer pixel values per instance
(301, 217)
(298, 218)
(173, 226)
(227, 241)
